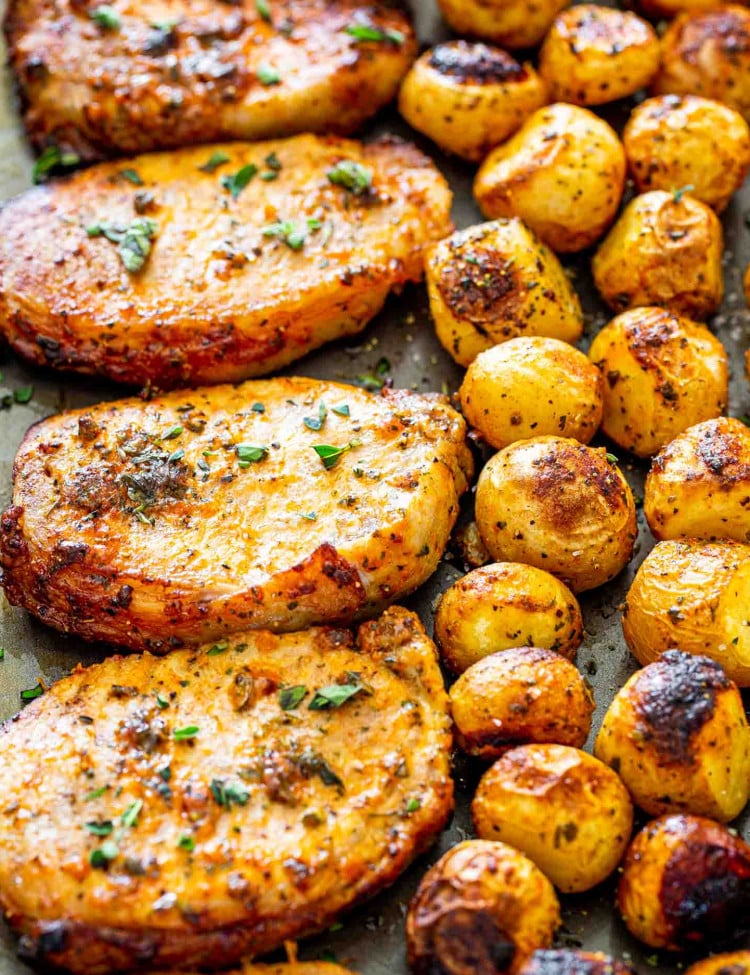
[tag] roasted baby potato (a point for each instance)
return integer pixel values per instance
(662, 373)
(495, 281)
(685, 882)
(520, 696)
(564, 809)
(562, 961)
(727, 963)
(699, 485)
(468, 97)
(482, 908)
(562, 173)
(510, 23)
(559, 505)
(505, 605)
(685, 140)
(692, 595)
(665, 249)
(677, 736)
(594, 54)
(707, 52)
(532, 386)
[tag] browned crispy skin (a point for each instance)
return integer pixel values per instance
(328, 806)
(218, 299)
(187, 71)
(135, 522)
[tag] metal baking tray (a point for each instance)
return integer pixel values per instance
(370, 939)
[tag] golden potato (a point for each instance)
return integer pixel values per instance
(685, 140)
(677, 736)
(483, 907)
(558, 505)
(663, 373)
(519, 696)
(505, 605)
(707, 52)
(699, 485)
(594, 54)
(495, 281)
(562, 961)
(469, 97)
(564, 809)
(692, 595)
(562, 173)
(531, 386)
(727, 963)
(685, 881)
(665, 249)
(510, 23)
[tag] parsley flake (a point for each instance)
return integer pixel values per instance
(236, 184)
(291, 697)
(214, 161)
(258, 408)
(334, 695)
(225, 793)
(134, 240)
(330, 456)
(130, 816)
(363, 33)
(99, 827)
(186, 842)
(316, 422)
(248, 453)
(131, 176)
(101, 857)
(309, 515)
(374, 381)
(185, 734)
(613, 458)
(53, 158)
(23, 394)
(95, 793)
(678, 194)
(267, 75)
(341, 410)
(32, 693)
(105, 17)
(161, 702)
(353, 176)
(413, 805)
(218, 648)
(263, 9)
(292, 234)
(173, 432)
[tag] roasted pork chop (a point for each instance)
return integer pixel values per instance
(156, 270)
(132, 75)
(279, 503)
(188, 809)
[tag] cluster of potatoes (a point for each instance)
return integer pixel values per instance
(555, 516)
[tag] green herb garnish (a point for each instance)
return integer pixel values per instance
(316, 422)
(264, 11)
(413, 805)
(53, 158)
(291, 697)
(225, 793)
(677, 195)
(248, 453)
(293, 235)
(186, 733)
(236, 184)
(130, 816)
(613, 458)
(267, 75)
(186, 842)
(95, 793)
(367, 32)
(134, 240)
(258, 408)
(23, 394)
(105, 17)
(332, 455)
(173, 432)
(213, 163)
(353, 176)
(32, 693)
(218, 648)
(334, 695)
(310, 515)
(99, 828)
(161, 702)
(374, 381)
(341, 410)
(103, 855)
(131, 176)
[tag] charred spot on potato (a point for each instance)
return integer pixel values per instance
(467, 942)
(475, 64)
(722, 454)
(474, 285)
(675, 697)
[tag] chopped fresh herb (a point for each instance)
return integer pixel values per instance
(218, 648)
(176, 455)
(413, 805)
(165, 26)
(341, 410)
(186, 733)
(269, 176)
(310, 515)
(294, 235)
(316, 422)
(236, 183)
(165, 773)
(173, 432)
(367, 32)
(2, 653)
(105, 17)
(677, 195)
(53, 158)
(161, 701)
(134, 241)
(258, 408)
(130, 816)
(214, 161)
(23, 394)
(131, 176)
(226, 793)
(334, 695)
(613, 458)
(267, 75)
(32, 692)
(101, 827)
(375, 380)
(248, 453)
(264, 11)
(311, 763)
(101, 857)
(186, 842)
(95, 793)
(291, 697)
(273, 162)
(330, 455)
(337, 926)
(353, 176)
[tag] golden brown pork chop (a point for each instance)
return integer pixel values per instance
(132, 75)
(184, 810)
(208, 511)
(156, 271)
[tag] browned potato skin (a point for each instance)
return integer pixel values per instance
(105, 93)
(685, 881)
(243, 877)
(699, 485)
(229, 549)
(692, 595)
(504, 22)
(284, 968)
(562, 961)
(558, 505)
(217, 301)
(667, 9)
(562, 154)
(564, 809)
(495, 281)
(520, 696)
(529, 387)
(685, 140)
(677, 736)
(468, 97)
(594, 54)
(506, 605)
(482, 908)
(662, 374)
(727, 963)
(707, 52)
(665, 249)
